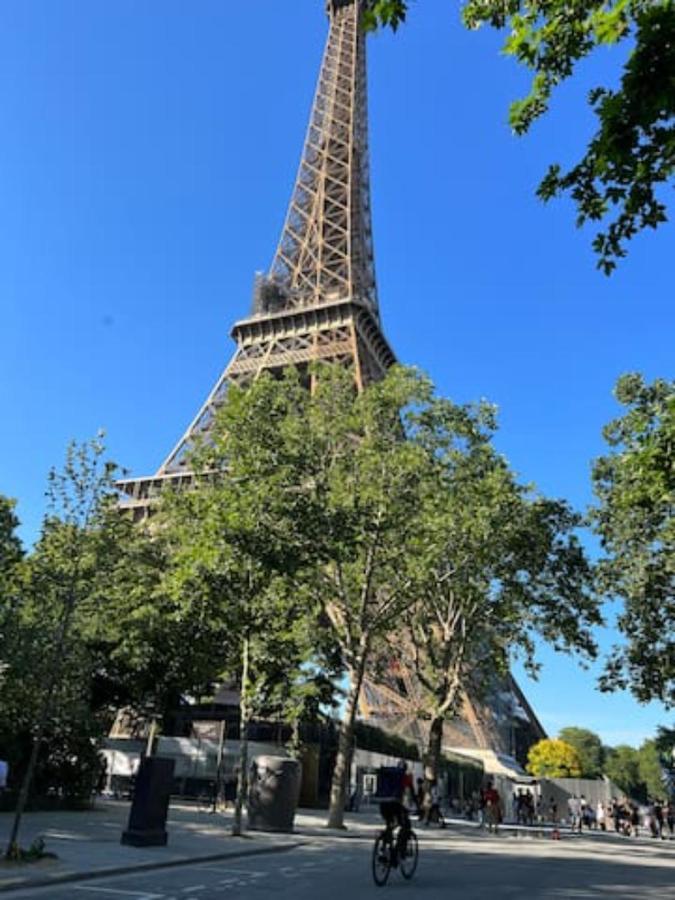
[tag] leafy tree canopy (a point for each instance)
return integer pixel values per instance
(589, 747)
(495, 567)
(553, 758)
(635, 519)
(637, 772)
(632, 154)
(622, 766)
(10, 545)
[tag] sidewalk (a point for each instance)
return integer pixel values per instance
(88, 843)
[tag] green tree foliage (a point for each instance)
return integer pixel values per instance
(665, 741)
(11, 554)
(494, 566)
(237, 542)
(10, 546)
(43, 680)
(637, 772)
(375, 471)
(589, 747)
(651, 769)
(321, 490)
(622, 766)
(635, 519)
(632, 154)
(551, 758)
(88, 630)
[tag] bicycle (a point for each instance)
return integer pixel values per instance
(388, 855)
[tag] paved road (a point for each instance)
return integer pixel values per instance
(450, 866)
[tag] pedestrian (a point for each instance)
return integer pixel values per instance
(541, 812)
(4, 775)
(669, 816)
(434, 813)
(419, 798)
(408, 788)
(600, 816)
(553, 816)
(634, 820)
(492, 805)
(574, 807)
(529, 808)
(616, 814)
(658, 818)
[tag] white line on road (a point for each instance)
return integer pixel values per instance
(137, 894)
(193, 890)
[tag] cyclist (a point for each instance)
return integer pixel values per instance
(392, 808)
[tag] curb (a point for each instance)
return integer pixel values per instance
(67, 877)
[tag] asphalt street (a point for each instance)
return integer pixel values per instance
(450, 866)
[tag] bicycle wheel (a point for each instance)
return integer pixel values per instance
(381, 859)
(408, 859)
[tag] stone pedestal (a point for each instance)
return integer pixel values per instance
(149, 808)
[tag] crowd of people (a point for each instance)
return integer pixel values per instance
(530, 808)
(655, 819)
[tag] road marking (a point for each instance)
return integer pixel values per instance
(288, 872)
(193, 890)
(139, 895)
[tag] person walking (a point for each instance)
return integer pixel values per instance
(635, 820)
(434, 814)
(600, 817)
(574, 807)
(493, 805)
(616, 815)
(669, 816)
(553, 818)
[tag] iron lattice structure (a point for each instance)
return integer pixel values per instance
(319, 299)
(319, 302)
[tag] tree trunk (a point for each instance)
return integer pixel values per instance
(244, 717)
(343, 761)
(293, 745)
(432, 757)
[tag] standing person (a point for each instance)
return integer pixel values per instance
(541, 811)
(574, 807)
(658, 818)
(616, 815)
(583, 813)
(419, 798)
(408, 785)
(529, 808)
(634, 819)
(600, 818)
(434, 808)
(493, 811)
(669, 817)
(553, 816)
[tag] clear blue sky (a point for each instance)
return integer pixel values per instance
(147, 155)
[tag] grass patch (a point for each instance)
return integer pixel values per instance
(35, 853)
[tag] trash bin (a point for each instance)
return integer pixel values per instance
(273, 794)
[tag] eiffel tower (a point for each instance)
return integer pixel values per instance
(318, 302)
